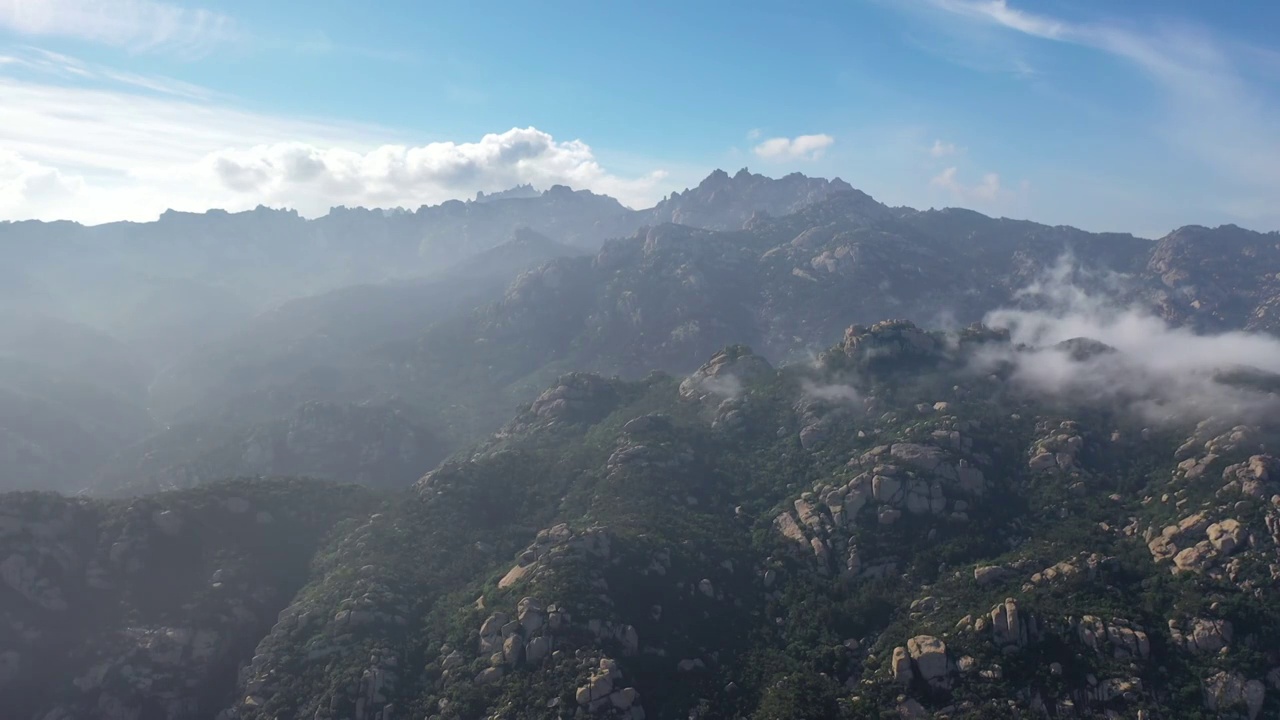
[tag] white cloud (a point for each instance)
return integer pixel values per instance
(27, 188)
(1219, 100)
(998, 11)
(754, 134)
(288, 172)
(1024, 69)
(830, 393)
(131, 147)
(943, 149)
(44, 62)
(1165, 372)
(138, 25)
(986, 191)
(803, 147)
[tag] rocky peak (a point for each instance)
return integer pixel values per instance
(724, 202)
(575, 398)
(517, 192)
(1083, 348)
(886, 344)
(724, 375)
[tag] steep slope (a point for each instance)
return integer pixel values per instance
(99, 275)
(224, 402)
(147, 608)
(797, 260)
(377, 446)
(69, 398)
(900, 527)
(1221, 278)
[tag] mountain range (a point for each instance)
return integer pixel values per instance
(769, 449)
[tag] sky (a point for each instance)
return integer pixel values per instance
(1139, 116)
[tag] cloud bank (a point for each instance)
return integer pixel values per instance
(1167, 373)
(834, 393)
(802, 147)
(127, 147)
(396, 174)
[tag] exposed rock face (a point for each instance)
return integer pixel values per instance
(930, 657)
(1058, 450)
(1226, 536)
(1202, 635)
(886, 344)
(725, 374)
(900, 666)
(577, 397)
(1225, 691)
(554, 542)
(1009, 627)
(1124, 638)
(649, 442)
(989, 574)
(1086, 564)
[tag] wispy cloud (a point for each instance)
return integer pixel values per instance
(998, 11)
(118, 146)
(802, 147)
(1167, 373)
(50, 64)
(985, 191)
(135, 25)
(1216, 108)
(943, 149)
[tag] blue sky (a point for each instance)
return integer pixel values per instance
(1138, 116)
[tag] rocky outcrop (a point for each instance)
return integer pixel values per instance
(1225, 691)
(1057, 450)
(929, 656)
(603, 692)
(554, 542)
(649, 442)
(576, 397)
(725, 375)
(727, 202)
(1202, 635)
(884, 345)
(1118, 637)
(1197, 545)
(925, 658)
(1011, 628)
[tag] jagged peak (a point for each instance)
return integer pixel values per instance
(524, 191)
(890, 344)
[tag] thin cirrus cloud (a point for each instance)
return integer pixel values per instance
(943, 149)
(1218, 107)
(114, 147)
(135, 25)
(802, 147)
(985, 191)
